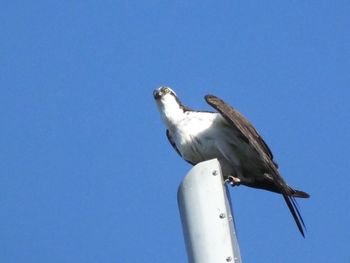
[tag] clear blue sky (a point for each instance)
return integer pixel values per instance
(87, 174)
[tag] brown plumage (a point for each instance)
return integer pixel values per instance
(251, 136)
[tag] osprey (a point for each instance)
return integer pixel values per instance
(228, 136)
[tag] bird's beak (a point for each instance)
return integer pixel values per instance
(157, 94)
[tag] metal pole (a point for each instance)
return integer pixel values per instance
(206, 216)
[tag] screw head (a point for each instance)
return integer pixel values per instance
(215, 173)
(228, 259)
(222, 215)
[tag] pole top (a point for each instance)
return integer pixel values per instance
(206, 216)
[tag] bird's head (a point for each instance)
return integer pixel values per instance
(166, 98)
(164, 94)
(168, 104)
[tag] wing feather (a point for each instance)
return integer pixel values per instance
(241, 124)
(251, 136)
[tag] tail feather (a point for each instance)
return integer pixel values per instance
(293, 208)
(289, 195)
(298, 193)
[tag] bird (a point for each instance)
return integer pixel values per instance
(225, 134)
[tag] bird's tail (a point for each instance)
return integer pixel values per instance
(298, 193)
(293, 208)
(289, 197)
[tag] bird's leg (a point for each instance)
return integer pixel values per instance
(233, 181)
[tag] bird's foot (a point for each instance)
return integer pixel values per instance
(233, 181)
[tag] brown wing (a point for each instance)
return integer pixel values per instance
(249, 134)
(242, 124)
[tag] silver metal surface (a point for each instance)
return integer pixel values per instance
(206, 216)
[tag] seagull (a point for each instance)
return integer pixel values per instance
(226, 135)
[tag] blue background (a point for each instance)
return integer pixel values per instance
(86, 172)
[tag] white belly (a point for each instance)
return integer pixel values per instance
(207, 138)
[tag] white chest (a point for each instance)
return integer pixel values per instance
(196, 136)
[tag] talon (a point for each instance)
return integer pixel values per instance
(234, 181)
